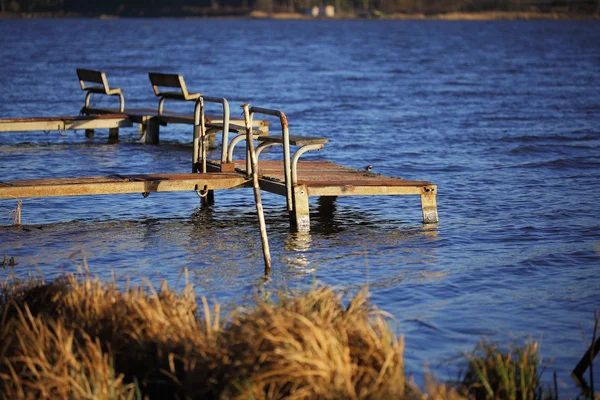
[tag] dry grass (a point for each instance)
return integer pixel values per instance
(82, 339)
(54, 334)
(313, 347)
(79, 338)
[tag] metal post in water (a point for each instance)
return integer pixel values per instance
(259, 207)
(17, 216)
(198, 136)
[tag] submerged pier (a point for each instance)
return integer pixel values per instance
(290, 177)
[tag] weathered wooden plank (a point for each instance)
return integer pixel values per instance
(429, 205)
(114, 115)
(63, 123)
(301, 213)
(98, 123)
(360, 181)
(325, 174)
(116, 184)
(362, 190)
(273, 187)
(32, 126)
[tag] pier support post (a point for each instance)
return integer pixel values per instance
(301, 212)
(209, 199)
(150, 131)
(89, 133)
(429, 205)
(113, 134)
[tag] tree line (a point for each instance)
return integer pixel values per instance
(154, 8)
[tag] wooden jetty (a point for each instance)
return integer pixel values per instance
(296, 180)
(327, 179)
(111, 121)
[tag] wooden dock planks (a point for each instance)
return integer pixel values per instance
(63, 123)
(119, 184)
(325, 178)
(315, 178)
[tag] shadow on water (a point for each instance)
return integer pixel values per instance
(324, 220)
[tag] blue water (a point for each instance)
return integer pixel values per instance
(503, 116)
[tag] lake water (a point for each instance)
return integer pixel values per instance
(503, 116)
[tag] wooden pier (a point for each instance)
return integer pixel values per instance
(296, 180)
(327, 179)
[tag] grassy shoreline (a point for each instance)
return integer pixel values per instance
(77, 337)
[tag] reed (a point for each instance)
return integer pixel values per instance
(77, 337)
(511, 375)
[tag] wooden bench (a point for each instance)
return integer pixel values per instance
(99, 77)
(165, 86)
(170, 81)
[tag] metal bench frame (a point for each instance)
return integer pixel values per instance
(90, 76)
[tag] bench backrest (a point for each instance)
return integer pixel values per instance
(87, 75)
(159, 80)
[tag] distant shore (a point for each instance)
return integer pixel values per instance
(453, 16)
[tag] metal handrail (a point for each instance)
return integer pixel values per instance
(121, 99)
(297, 154)
(286, 148)
(225, 139)
(199, 133)
(234, 143)
(200, 137)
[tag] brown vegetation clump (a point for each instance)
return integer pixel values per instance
(79, 338)
(131, 335)
(313, 347)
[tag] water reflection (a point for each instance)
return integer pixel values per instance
(296, 245)
(324, 220)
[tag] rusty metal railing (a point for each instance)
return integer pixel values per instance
(286, 148)
(200, 136)
(259, 208)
